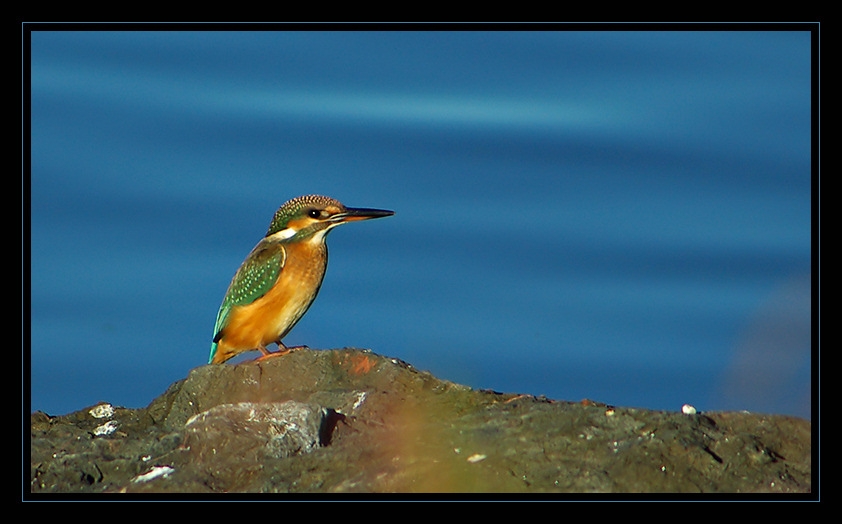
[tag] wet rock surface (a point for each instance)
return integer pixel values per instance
(351, 421)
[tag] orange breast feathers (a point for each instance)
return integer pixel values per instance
(269, 318)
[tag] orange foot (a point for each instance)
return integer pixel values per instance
(282, 350)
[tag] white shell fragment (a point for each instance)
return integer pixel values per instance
(106, 429)
(102, 411)
(687, 409)
(476, 457)
(155, 472)
(360, 399)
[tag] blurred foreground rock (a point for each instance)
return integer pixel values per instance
(351, 421)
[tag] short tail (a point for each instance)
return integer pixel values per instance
(214, 345)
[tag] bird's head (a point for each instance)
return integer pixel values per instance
(314, 215)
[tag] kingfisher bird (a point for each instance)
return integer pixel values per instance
(280, 278)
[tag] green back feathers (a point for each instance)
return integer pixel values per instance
(255, 277)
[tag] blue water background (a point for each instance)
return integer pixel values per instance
(619, 216)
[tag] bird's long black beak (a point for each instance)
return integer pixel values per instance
(352, 214)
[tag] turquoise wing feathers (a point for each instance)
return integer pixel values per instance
(252, 280)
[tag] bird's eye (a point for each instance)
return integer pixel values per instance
(314, 213)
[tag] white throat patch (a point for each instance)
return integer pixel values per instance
(283, 234)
